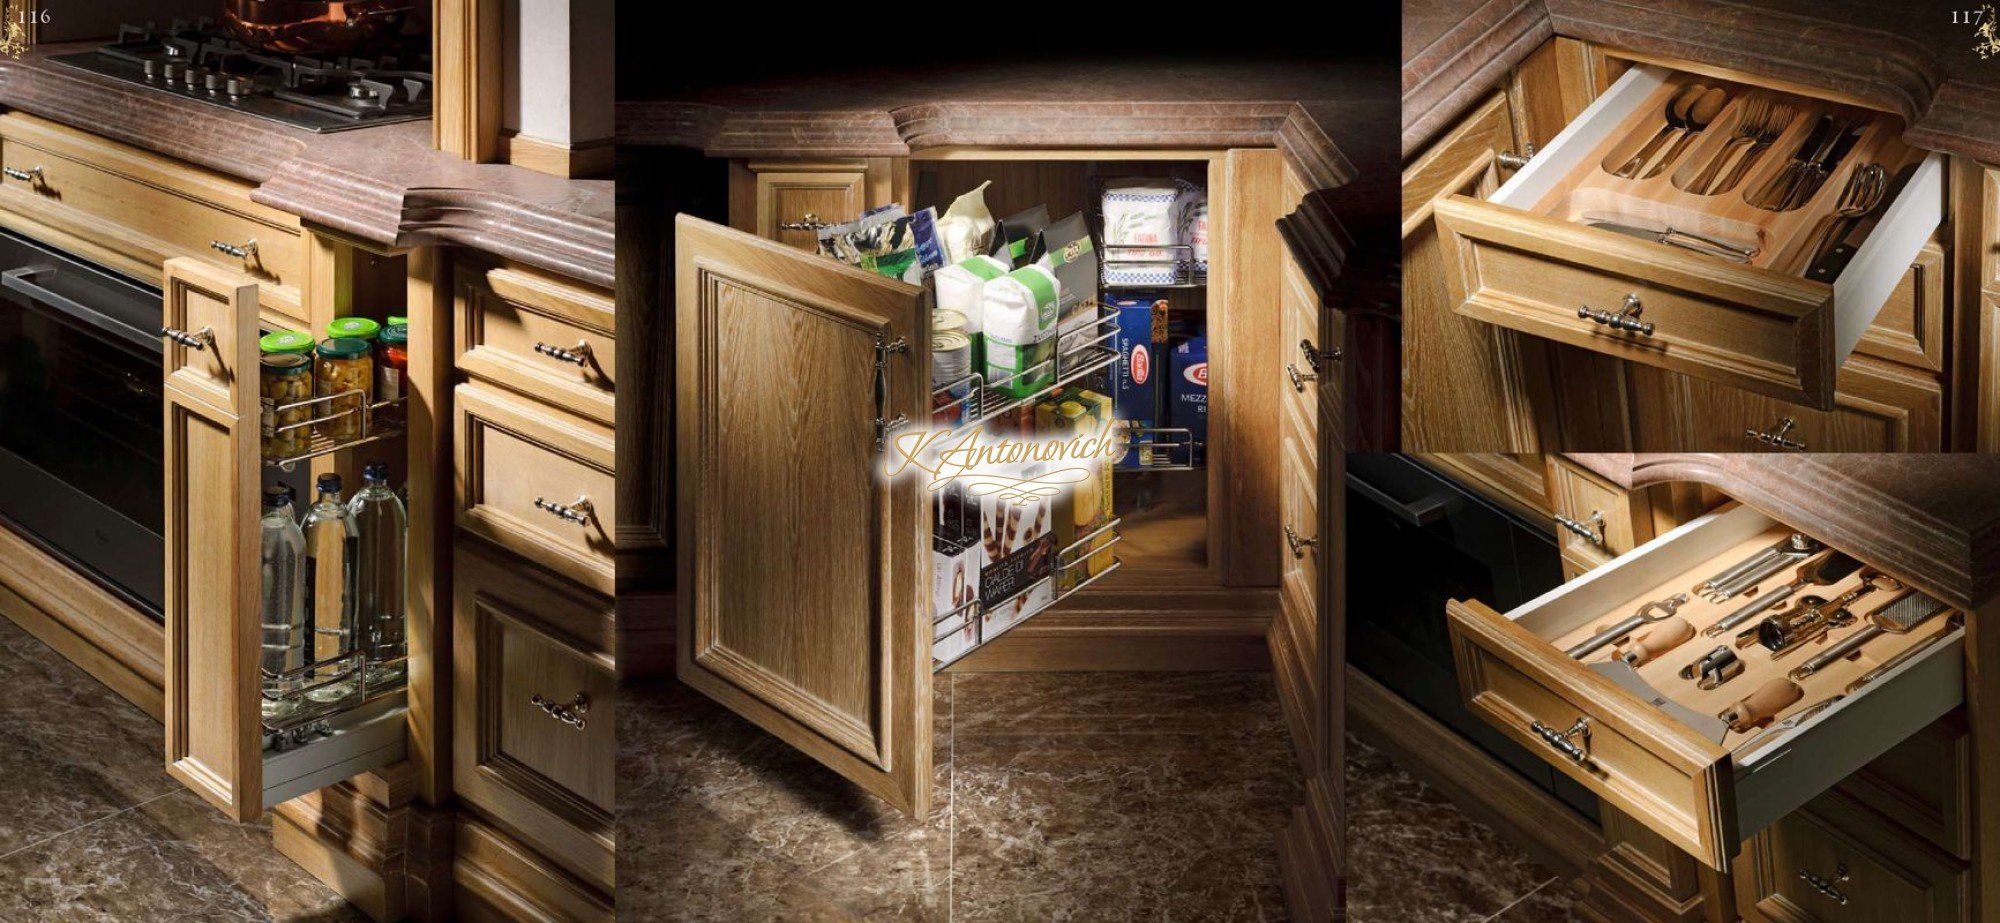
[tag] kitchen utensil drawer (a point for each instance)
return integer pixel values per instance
(1522, 263)
(1835, 861)
(538, 482)
(538, 335)
(535, 679)
(147, 208)
(1662, 770)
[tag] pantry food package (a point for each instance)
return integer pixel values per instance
(1065, 249)
(966, 228)
(1085, 507)
(1194, 226)
(1187, 388)
(1018, 314)
(955, 566)
(961, 287)
(1142, 337)
(1142, 225)
(1014, 239)
(955, 636)
(883, 241)
(1017, 536)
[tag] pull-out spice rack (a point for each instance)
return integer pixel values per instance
(343, 410)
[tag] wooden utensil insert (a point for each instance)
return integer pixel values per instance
(1784, 239)
(1759, 664)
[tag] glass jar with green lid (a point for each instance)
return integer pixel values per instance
(345, 365)
(280, 342)
(357, 328)
(392, 362)
(284, 382)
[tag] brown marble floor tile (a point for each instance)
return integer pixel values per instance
(1553, 902)
(1416, 856)
(87, 732)
(173, 858)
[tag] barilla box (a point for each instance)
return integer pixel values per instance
(1142, 336)
(1017, 537)
(1084, 507)
(1187, 388)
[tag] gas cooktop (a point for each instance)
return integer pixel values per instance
(204, 63)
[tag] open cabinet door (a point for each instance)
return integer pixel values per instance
(800, 566)
(214, 743)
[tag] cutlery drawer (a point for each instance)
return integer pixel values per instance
(538, 482)
(1835, 861)
(1529, 259)
(538, 335)
(1665, 770)
(534, 734)
(147, 209)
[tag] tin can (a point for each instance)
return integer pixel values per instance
(951, 366)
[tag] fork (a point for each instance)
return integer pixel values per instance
(1763, 120)
(1862, 193)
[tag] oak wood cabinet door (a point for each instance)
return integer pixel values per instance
(1881, 407)
(212, 452)
(799, 565)
(784, 200)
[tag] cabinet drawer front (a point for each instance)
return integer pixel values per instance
(1831, 862)
(1766, 330)
(1880, 408)
(1698, 793)
(1910, 327)
(1593, 506)
(1300, 513)
(535, 679)
(539, 336)
(147, 207)
(210, 350)
(538, 482)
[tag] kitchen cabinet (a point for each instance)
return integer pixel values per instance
(1836, 860)
(788, 201)
(792, 370)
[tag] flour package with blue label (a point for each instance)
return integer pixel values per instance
(1187, 388)
(1142, 336)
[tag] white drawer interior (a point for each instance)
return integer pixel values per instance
(1791, 767)
(1861, 289)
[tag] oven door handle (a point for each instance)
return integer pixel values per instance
(19, 280)
(1422, 512)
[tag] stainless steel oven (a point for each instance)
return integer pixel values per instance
(80, 417)
(1441, 541)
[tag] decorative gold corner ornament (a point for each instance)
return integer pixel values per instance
(22, 17)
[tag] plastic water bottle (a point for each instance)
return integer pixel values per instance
(331, 540)
(384, 527)
(282, 609)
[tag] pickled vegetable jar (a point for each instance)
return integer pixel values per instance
(284, 380)
(344, 366)
(392, 362)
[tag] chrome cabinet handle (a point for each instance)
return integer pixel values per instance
(1311, 352)
(1626, 319)
(1584, 529)
(570, 712)
(575, 355)
(200, 339)
(1775, 436)
(811, 222)
(1828, 886)
(1299, 378)
(30, 175)
(1512, 161)
(1299, 543)
(577, 511)
(245, 251)
(1563, 740)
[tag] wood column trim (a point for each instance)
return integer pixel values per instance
(466, 59)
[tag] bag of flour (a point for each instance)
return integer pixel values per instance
(1018, 319)
(961, 287)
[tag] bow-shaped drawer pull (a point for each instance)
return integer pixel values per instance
(577, 511)
(1626, 319)
(1775, 436)
(200, 339)
(575, 355)
(1590, 530)
(570, 712)
(1566, 742)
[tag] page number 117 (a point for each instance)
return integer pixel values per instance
(1967, 17)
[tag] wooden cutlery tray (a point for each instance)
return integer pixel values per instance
(1784, 239)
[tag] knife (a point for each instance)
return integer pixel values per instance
(1830, 265)
(1735, 253)
(1619, 672)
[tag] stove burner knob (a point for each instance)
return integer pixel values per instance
(357, 91)
(151, 67)
(214, 82)
(195, 75)
(240, 86)
(172, 70)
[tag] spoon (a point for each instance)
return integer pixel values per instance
(1704, 111)
(1676, 115)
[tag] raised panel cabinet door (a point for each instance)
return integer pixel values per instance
(1880, 407)
(800, 566)
(213, 742)
(787, 200)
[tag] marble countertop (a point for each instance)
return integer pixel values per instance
(1933, 520)
(1327, 117)
(1913, 62)
(384, 185)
